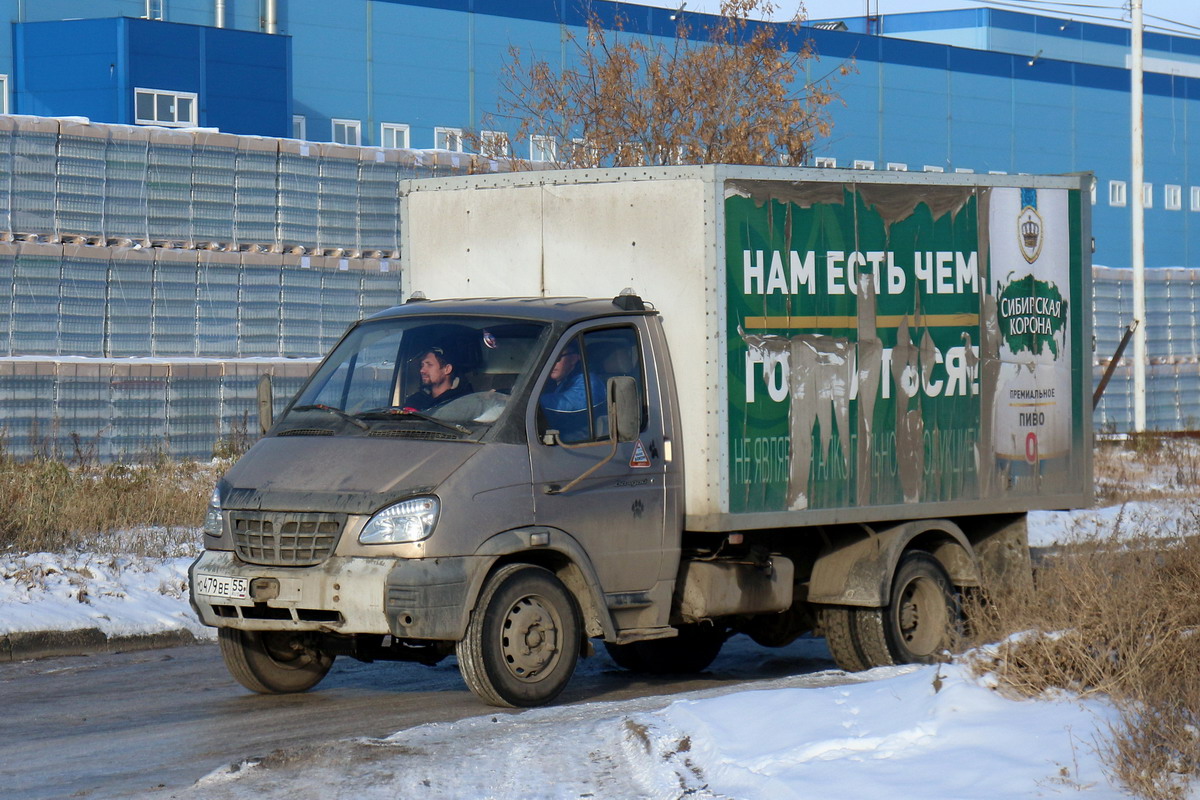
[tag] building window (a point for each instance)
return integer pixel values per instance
(1195, 206)
(347, 131)
(494, 144)
(448, 139)
(964, 170)
(299, 126)
(541, 148)
(393, 134)
(825, 162)
(628, 153)
(1147, 195)
(896, 166)
(1093, 191)
(162, 107)
(4, 94)
(1172, 197)
(996, 172)
(1116, 193)
(580, 153)
(861, 164)
(156, 9)
(932, 168)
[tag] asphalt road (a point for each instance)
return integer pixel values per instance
(155, 721)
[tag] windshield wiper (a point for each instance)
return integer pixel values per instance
(390, 413)
(335, 411)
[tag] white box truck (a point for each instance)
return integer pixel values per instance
(661, 407)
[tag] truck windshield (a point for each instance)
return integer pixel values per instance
(452, 373)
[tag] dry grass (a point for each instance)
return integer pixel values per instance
(1116, 616)
(145, 509)
(1146, 468)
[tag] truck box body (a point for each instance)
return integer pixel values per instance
(848, 346)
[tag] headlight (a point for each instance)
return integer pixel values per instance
(410, 521)
(212, 520)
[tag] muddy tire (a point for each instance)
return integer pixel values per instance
(523, 640)
(273, 662)
(691, 651)
(855, 637)
(921, 620)
(918, 623)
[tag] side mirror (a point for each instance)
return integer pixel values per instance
(266, 403)
(624, 408)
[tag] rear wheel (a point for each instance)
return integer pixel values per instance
(855, 637)
(273, 662)
(921, 620)
(523, 640)
(692, 650)
(918, 623)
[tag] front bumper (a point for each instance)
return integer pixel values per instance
(410, 598)
(343, 595)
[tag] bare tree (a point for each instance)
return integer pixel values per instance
(733, 91)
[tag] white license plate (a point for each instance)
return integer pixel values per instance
(223, 586)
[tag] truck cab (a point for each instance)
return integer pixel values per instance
(363, 525)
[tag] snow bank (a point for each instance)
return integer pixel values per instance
(120, 595)
(1164, 518)
(928, 732)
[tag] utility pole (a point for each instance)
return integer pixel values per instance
(1138, 229)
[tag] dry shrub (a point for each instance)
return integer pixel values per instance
(727, 91)
(51, 505)
(1114, 616)
(1146, 467)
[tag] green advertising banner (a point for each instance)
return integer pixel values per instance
(894, 344)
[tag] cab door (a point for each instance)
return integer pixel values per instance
(618, 512)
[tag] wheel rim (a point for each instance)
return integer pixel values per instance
(530, 639)
(922, 617)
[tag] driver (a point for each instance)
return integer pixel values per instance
(439, 384)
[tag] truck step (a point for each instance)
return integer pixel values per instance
(645, 634)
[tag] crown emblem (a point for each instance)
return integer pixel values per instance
(1029, 233)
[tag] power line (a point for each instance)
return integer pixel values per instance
(1025, 3)
(1057, 6)
(1060, 3)
(1173, 22)
(1025, 7)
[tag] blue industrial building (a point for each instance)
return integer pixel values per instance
(979, 90)
(137, 71)
(156, 265)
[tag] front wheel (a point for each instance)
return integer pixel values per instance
(273, 662)
(523, 640)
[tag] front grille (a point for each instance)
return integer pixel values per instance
(408, 433)
(281, 539)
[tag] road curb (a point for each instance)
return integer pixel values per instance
(30, 645)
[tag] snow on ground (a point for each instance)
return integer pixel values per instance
(909, 732)
(1156, 518)
(122, 595)
(930, 732)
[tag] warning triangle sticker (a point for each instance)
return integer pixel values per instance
(639, 458)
